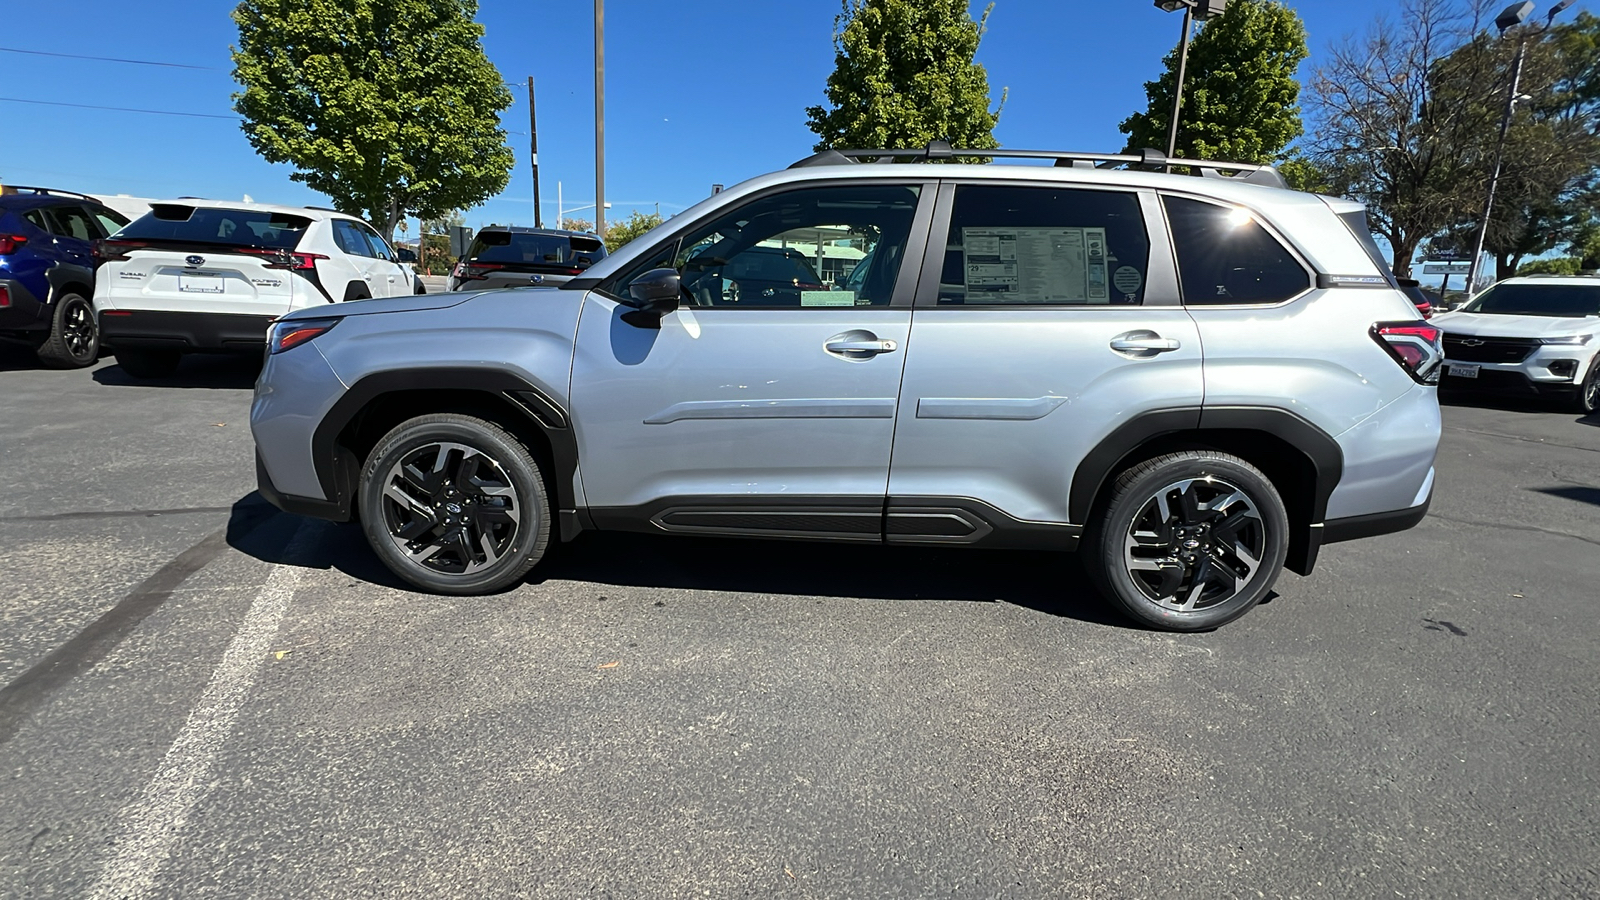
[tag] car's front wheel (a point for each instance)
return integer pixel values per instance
(1588, 396)
(1188, 541)
(454, 504)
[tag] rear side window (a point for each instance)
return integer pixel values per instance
(1042, 246)
(75, 223)
(231, 227)
(1357, 223)
(1225, 257)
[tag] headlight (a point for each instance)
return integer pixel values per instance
(1571, 340)
(285, 334)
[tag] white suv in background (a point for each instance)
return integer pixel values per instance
(200, 276)
(1533, 335)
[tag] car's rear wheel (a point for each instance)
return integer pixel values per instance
(74, 340)
(1188, 541)
(145, 362)
(454, 504)
(1588, 396)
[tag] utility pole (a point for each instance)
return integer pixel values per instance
(533, 154)
(1177, 93)
(600, 117)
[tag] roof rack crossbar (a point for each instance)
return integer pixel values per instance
(1248, 172)
(54, 192)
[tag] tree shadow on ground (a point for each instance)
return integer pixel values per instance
(1052, 583)
(205, 371)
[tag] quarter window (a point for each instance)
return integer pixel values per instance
(1225, 257)
(818, 247)
(1040, 246)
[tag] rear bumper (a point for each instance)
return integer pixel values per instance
(25, 311)
(201, 332)
(1356, 527)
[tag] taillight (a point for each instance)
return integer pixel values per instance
(284, 335)
(5, 297)
(10, 243)
(285, 259)
(476, 271)
(110, 250)
(1415, 346)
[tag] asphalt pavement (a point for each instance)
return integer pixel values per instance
(201, 696)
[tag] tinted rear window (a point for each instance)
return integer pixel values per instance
(536, 249)
(1226, 258)
(203, 225)
(1560, 300)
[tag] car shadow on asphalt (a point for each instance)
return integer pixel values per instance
(214, 372)
(1051, 583)
(1587, 495)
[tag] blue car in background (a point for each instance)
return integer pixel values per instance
(47, 271)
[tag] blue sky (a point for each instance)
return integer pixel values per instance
(696, 92)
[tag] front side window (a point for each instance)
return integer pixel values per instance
(1225, 257)
(1044, 246)
(350, 239)
(836, 246)
(75, 223)
(380, 247)
(110, 220)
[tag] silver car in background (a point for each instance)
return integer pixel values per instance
(1195, 382)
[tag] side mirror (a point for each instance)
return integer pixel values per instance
(405, 254)
(655, 293)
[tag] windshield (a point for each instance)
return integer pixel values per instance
(1557, 300)
(204, 225)
(536, 249)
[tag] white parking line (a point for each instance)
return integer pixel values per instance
(152, 824)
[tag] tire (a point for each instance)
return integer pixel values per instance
(1172, 571)
(141, 362)
(450, 538)
(1587, 399)
(74, 340)
(419, 288)
(356, 290)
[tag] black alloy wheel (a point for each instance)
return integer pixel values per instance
(1188, 541)
(74, 340)
(454, 504)
(1588, 398)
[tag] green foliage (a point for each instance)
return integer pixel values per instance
(443, 224)
(1240, 96)
(390, 107)
(1304, 174)
(569, 224)
(904, 76)
(1561, 265)
(620, 233)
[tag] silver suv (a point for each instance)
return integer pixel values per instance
(1195, 381)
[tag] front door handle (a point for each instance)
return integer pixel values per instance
(858, 344)
(1144, 343)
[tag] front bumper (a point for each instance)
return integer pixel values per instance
(1513, 380)
(199, 332)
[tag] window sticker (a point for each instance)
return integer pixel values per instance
(1128, 280)
(1035, 265)
(827, 298)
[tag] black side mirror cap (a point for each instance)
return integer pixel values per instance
(655, 293)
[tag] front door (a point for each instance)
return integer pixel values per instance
(766, 403)
(1047, 317)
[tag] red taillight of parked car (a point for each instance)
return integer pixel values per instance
(1415, 346)
(476, 271)
(284, 259)
(10, 243)
(5, 297)
(110, 250)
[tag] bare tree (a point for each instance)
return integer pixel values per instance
(1383, 136)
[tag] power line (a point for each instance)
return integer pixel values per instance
(135, 62)
(149, 112)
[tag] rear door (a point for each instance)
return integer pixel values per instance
(1046, 317)
(182, 258)
(74, 233)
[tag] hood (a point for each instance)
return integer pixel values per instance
(414, 303)
(1480, 325)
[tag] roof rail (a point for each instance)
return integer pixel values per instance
(1148, 158)
(323, 209)
(18, 188)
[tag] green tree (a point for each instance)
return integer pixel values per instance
(904, 76)
(1240, 96)
(389, 107)
(576, 225)
(1560, 265)
(620, 233)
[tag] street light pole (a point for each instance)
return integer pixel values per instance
(533, 154)
(600, 117)
(1177, 92)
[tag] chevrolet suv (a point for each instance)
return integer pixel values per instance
(1537, 335)
(201, 276)
(1194, 381)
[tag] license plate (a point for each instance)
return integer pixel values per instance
(200, 283)
(1461, 371)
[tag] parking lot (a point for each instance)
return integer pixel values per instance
(199, 693)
